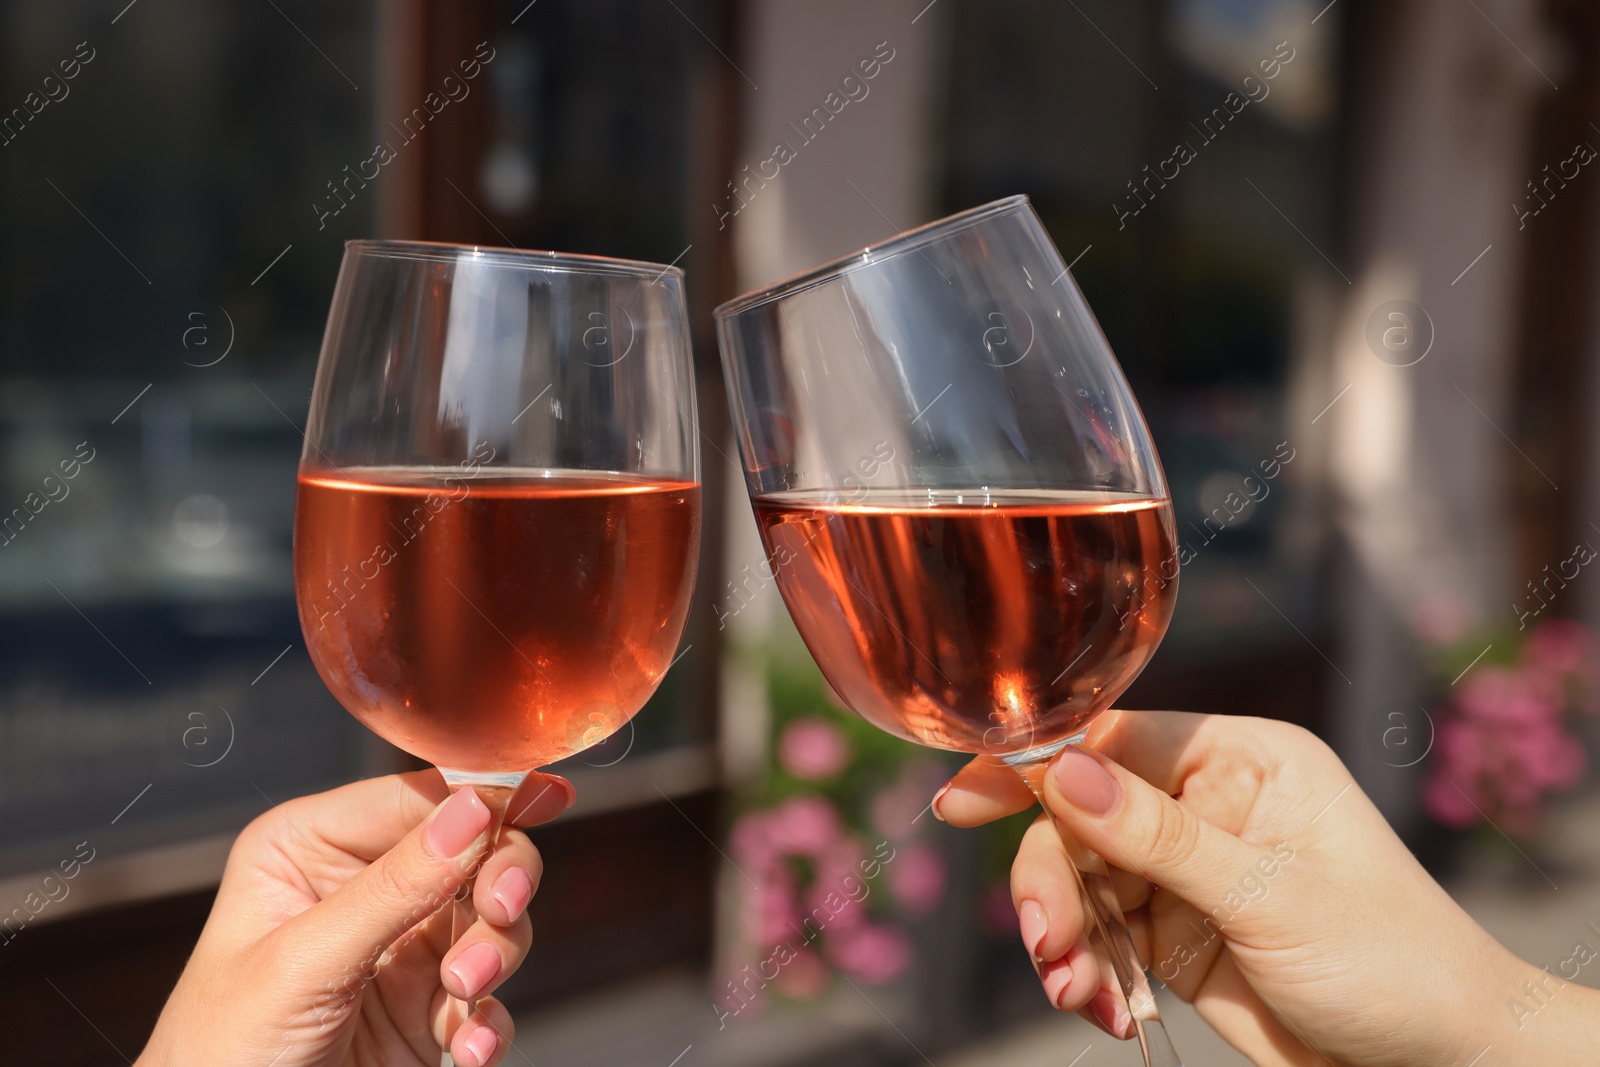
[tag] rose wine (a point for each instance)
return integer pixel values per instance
(498, 621)
(979, 622)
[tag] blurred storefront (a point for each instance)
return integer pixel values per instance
(1345, 252)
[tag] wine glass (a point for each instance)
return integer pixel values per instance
(498, 515)
(960, 501)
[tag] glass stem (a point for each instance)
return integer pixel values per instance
(1110, 938)
(496, 791)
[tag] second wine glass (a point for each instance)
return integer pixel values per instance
(960, 501)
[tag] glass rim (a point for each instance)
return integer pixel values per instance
(902, 242)
(527, 258)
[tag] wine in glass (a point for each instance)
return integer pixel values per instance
(960, 500)
(498, 516)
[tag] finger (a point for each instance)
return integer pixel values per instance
(396, 891)
(1069, 982)
(508, 879)
(485, 1038)
(485, 956)
(1132, 890)
(1168, 748)
(369, 817)
(1232, 1007)
(540, 798)
(1141, 829)
(1185, 944)
(1045, 893)
(982, 791)
(1108, 1010)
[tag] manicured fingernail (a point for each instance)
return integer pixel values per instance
(481, 1045)
(1086, 784)
(943, 789)
(513, 890)
(1112, 1014)
(1056, 977)
(457, 824)
(554, 786)
(475, 968)
(1035, 925)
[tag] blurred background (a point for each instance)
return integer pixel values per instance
(1347, 248)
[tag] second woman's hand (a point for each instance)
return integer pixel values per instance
(1262, 885)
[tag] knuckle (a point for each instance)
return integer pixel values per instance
(1173, 834)
(393, 880)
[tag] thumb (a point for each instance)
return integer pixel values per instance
(1139, 828)
(346, 933)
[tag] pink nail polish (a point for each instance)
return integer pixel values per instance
(1107, 1007)
(1101, 1006)
(457, 824)
(1085, 784)
(1056, 977)
(1035, 925)
(481, 1044)
(513, 890)
(475, 968)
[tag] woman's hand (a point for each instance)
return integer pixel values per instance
(1262, 885)
(327, 946)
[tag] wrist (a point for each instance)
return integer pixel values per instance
(1548, 1017)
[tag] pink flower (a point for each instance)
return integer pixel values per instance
(1458, 747)
(1557, 645)
(871, 952)
(1504, 746)
(1507, 697)
(1448, 803)
(803, 826)
(835, 907)
(812, 749)
(751, 841)
(771, 911)
(1549, 759)
(917, 877)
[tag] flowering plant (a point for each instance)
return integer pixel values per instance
(1503, 738)
(829, 841)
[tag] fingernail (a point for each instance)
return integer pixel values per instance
(937, 814)
(457, 824)
(1035, 925)
(481, 1044)
(1112, 1014)
(513, 890)
(475, 968)
(1056, 977)
(1085, 783)
(553, 783)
